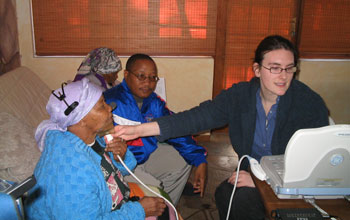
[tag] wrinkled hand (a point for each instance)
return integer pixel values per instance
(117, 146)
(153, 206)
(127, 132)
(200, 177)
(244, 179)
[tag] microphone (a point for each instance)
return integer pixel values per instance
(257, 170)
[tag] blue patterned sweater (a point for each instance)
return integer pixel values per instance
(70, 183)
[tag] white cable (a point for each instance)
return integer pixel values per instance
(109, 137)
(132, 174)
(234, 187)
(313, 203)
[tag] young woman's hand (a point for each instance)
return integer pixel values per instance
(244, 179)
(126, 132)
(131, 132)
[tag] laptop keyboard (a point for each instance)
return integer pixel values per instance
(278, 164)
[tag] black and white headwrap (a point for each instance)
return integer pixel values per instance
(100, 61)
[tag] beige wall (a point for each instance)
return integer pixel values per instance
(330, 79)
(189, 80)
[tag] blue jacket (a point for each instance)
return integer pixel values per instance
(70, 183)
(152, 107)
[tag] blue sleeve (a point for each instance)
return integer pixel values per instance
(129, 211)
(129, 160)
(189, 150)
(186, 145)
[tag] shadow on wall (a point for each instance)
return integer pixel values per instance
(9, 48)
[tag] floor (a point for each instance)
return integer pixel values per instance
(222, 160)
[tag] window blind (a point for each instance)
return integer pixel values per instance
(155, 27)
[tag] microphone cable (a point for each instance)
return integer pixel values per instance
(132, 174)
(109, 138)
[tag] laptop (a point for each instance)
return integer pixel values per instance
(316, 164)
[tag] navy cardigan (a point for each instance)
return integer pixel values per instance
(298, 108)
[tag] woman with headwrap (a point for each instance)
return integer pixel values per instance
(101, 66)
(77, 176)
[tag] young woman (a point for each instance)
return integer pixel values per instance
(261, 114)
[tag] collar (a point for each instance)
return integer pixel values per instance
(91, 144)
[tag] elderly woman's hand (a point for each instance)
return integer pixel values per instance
(153, 206)
(117, 146)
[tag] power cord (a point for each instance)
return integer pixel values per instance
(234, 187)
(256, 170)
(313, 203)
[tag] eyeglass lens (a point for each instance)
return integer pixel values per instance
(143, 77)
(278, 70)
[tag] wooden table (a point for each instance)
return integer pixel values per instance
(336, 207)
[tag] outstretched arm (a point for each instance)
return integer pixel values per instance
(130, 132)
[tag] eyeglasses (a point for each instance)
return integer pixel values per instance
(142, 77)
(62, 97)
(278, 70)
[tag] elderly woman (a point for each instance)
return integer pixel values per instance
(77, 176)
(101, 66)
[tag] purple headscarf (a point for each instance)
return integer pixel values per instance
(84, 92)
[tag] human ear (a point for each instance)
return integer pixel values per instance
(126, 73)
(256, 69)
